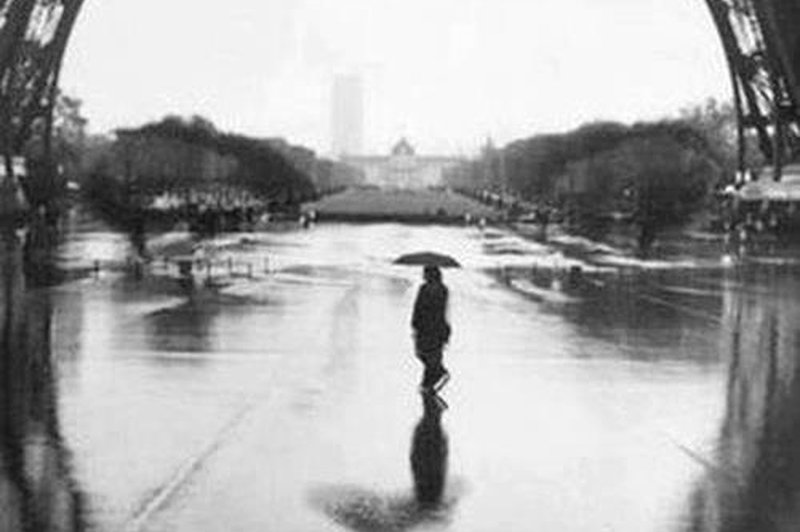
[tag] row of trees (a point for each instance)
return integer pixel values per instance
(178, 152)
(198, 170)
(653, 174)
(170, 154)
(175, 154)
(120, 173)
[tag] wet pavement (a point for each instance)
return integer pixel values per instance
(625, 398)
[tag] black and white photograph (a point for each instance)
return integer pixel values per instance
(394, 266)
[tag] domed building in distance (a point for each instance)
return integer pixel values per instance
(403, 167)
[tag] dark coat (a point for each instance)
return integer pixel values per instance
(429, 319)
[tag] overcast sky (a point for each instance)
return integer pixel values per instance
(445, 73)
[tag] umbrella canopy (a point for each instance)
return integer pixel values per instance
(427, 258)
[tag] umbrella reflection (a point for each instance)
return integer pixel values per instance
(363, 510)
(37, 491)
(755, 481)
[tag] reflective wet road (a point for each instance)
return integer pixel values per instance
(622, 399)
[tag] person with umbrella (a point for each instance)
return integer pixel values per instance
(431, 329)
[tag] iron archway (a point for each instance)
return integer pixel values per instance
(759, 38)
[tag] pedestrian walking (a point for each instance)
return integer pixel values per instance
(431, 329)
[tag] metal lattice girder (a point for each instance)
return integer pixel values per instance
(761, 41)
(33, 37)
(760, 38)
(780, 19)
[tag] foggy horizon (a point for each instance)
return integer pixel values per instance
(447, 77)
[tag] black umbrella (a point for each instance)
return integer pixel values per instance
(427, 258)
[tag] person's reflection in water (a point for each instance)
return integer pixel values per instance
(432, 501)
(429, 449)
(752, 482)
(37, 491)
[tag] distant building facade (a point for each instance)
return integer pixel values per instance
(347, 116)
(403, 167)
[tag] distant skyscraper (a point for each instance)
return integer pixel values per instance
(347, 119)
